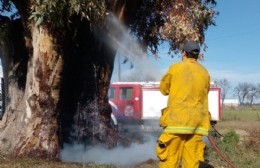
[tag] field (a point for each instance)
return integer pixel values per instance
(239, 141)
(241, 129)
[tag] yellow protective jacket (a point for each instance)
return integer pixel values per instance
(187, 84)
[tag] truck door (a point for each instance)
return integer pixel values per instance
(126, 104)
(129, 101)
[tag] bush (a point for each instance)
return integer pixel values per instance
(230, 141)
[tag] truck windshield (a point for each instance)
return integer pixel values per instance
(126, 93)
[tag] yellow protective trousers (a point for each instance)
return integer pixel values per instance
(173, 148)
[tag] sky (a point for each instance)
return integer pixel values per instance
(233, 45)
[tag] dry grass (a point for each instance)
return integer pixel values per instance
(8, 162)
(244, 154)
(246, 124)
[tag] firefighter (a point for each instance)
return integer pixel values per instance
(186, 119)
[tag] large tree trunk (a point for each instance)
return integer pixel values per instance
(29, 126)
(39, 102)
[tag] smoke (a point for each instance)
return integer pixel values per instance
(130, 50)
(121, 156)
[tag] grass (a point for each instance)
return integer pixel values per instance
(9, 162)
(240, 141)
(244, 155)
(241, 113)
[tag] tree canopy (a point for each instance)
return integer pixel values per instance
(152, 21)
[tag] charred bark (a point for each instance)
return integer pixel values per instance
(88, 65)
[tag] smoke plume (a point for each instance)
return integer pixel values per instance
(131, 155)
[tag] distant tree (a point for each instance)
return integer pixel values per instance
(241, 91)
(254, 92)
(225, 86)
(258, 88)
(251, 94)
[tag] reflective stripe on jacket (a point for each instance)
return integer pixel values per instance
(187, 84)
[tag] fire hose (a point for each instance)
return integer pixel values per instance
(218, 151)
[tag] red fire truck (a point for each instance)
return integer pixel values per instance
(141, 102)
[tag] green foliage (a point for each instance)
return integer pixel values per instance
(58, 12)
(92, 10)
(231, 138)
(47, 12)
(188, 21)
(154, 21)
(229, 143)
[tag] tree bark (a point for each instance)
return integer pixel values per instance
(14, 55)
(39, 134)
(29, 125)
